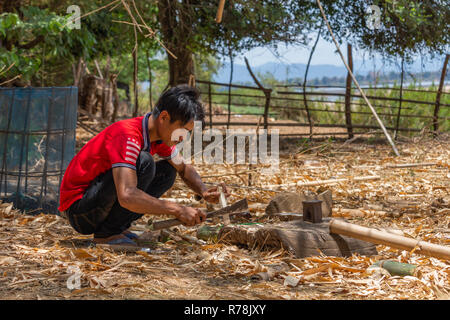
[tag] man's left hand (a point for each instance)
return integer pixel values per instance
(212, 195)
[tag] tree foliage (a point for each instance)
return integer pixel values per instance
(34, 35)
(406, 28)
(35, 39)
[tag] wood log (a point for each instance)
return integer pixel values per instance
(301, 238)
(392, 240)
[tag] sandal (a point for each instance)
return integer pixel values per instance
(130, 235)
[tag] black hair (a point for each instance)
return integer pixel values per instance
(181, 103)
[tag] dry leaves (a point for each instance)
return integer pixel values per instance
(36, 259)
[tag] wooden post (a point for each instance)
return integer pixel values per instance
(210, 105)
(438, 96)
(267, 93)
(229, 90)
(401, 97)
(348, 92)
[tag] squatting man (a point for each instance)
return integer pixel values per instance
(114, 180)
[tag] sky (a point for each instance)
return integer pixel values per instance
(325, 53)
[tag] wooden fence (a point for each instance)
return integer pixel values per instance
(310, 106)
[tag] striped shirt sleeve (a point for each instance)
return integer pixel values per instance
(124, 151)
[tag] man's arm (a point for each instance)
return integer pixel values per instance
(136, 200)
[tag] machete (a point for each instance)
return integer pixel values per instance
(236, 208)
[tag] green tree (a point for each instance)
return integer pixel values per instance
(31, 37)
(189, 27)
(405, 28)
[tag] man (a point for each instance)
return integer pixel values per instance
(114, 180)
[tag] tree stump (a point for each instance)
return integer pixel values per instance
(95, 96)
(301, 238)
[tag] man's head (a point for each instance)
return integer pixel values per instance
(177, 108)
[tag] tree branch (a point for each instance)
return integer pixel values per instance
(32, 43)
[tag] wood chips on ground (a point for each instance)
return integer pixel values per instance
(35, 265)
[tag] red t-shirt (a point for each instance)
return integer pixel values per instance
(118, 145)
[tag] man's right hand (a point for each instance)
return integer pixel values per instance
(191, 216)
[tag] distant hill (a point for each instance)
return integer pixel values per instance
(282, 72)
(279, 71)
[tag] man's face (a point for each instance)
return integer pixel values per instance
(172, 133)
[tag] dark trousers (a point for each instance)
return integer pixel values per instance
(99, 211)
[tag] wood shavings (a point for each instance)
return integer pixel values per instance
(36, 253)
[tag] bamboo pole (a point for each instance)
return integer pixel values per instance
(410, 165)
(438, 95)
(389, 239)
(357, 84)
(396, 268)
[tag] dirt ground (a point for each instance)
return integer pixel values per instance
(38, 260)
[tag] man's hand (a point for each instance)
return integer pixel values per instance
(191, 216)
(212, 195)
